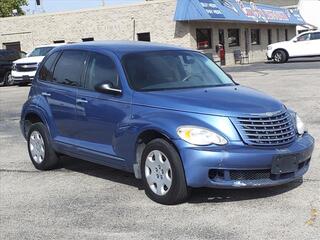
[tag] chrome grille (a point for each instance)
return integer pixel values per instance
(266, 130)
(26, 67)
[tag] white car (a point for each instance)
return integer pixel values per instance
(24, 69)
(306, 44)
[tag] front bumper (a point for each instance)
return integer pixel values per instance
(239, 165)
(22, 77)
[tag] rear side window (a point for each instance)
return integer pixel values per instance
(101, 69)
(69, 68)
(315, 36)
(46, 72)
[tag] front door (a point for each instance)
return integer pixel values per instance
(100, 115)
(301, 46)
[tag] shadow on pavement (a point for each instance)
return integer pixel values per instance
(100, 171)
(200, 195)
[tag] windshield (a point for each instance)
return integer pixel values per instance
(149, 71)
(40, 51)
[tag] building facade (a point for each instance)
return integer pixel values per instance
(152, 20)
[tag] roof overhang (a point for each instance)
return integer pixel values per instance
(235, 10)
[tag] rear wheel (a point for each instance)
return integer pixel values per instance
(8, 80)
(280, 56)
(41, 153)
(162, 173)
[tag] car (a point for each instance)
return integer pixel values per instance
(306, 44)
(24, 69)
(7, 57)
(169, 115)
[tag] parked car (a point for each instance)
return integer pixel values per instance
(24, 69)
(306, 44)
(6, 59)
(169, 115)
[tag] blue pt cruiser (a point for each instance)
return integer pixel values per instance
(169, 115)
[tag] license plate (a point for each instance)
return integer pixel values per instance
(25, 78)
(285, 163)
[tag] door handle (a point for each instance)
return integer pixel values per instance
(81, 100)
(45, 94)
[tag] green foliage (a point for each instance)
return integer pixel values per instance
(6, 7)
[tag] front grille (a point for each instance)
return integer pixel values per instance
(249, 174)
(26, 67)
(266, 130)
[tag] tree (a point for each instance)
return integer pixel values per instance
(6, 7)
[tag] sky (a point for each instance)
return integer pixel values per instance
(67, 5)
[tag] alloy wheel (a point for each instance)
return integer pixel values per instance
(36, 145)
(158, 172)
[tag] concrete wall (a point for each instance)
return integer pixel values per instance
(116, 23)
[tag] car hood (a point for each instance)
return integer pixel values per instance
(229, 101)
(30, 60)
(279, 44)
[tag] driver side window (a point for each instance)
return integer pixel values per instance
(101, 69)
(304, 37)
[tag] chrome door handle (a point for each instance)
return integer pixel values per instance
(45, 94)
(80, 100)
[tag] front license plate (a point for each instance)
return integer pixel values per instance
(25, 78)
(285, 164)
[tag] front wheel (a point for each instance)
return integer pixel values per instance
(280, 56)
(40, 148)
(8, 80)
(162, 173)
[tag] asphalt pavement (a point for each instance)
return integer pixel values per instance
(82, 200)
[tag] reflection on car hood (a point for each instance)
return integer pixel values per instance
(223, 101)
(30, 60)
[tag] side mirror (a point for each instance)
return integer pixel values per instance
(295, 40)
(229, 75)
(108, 88)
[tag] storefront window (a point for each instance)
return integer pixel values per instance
(269, 36)
(234, 37)
(255, 36)
(204, 38)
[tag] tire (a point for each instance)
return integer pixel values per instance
(40, 151)
(280, 56)
(23, 84)
(156, 173)
(7, 79)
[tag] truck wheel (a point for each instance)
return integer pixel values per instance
(8, 80)
(280, 56)
(163, 174)
(40, 148)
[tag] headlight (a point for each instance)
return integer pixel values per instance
(269, 47)
(200, 136)
(14, 66)
(300, 125)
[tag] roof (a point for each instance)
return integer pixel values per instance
(235, 10)
(50, 45)
(121, 47)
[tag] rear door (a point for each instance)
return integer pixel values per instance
(58, 85)
(100, 115)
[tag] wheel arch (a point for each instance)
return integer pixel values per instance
(32, 117)
(144, 137)
(282, 49)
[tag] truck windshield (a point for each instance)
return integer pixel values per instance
(40, 51)
(150, 71)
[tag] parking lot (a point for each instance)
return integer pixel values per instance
(86, 201)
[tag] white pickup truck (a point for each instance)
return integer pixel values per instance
(24, 69)
(306, 44)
